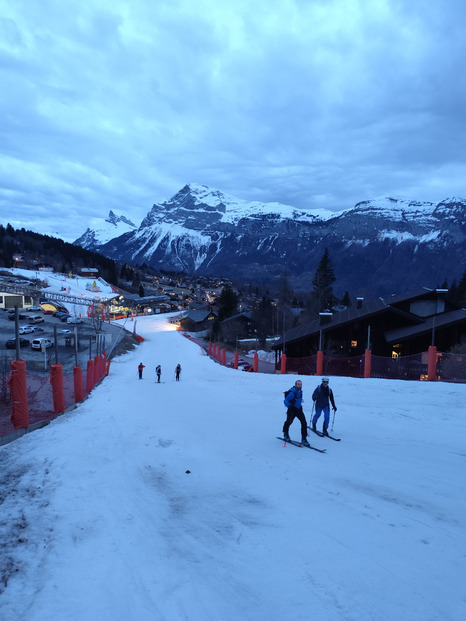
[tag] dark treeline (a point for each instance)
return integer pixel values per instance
(37, 249)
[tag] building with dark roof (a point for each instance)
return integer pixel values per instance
(198, 321)
(400, 325)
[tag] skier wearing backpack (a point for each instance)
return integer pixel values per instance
(322, 397)
(293, 401)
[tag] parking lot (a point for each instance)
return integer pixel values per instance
(65, 350)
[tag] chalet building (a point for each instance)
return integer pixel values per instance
(198, 321)
(237, 326)
(141, 304)
(397, 326)
(199, 306)
(89, 272)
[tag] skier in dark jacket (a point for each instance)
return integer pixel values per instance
(177, 372)
(293, 402)
(158, 372)
(322, 397)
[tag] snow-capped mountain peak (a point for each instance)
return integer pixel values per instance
(203, 230)
(114, 219)
(100, 231)
(230, 209)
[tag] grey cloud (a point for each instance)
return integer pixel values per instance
(314, 104)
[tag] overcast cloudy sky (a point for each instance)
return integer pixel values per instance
(116, 104)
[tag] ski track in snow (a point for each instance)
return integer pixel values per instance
(177, 502)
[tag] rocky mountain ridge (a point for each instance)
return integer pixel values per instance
(100, 232)
(379, 246)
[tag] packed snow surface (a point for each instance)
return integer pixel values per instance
(175, 501)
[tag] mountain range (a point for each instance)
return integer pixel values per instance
(378, 247)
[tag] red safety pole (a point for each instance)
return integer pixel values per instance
(283, 365)
(432, 363)
(236, 360)
(96, 369)
(367, 363)
(56, 379)
(320, 362)
(89, 376)
(256, 362)
(100, 368)
(78, 384)
(19, 394)
(224, 356)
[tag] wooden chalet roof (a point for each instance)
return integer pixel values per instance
(414, 295)
(437, 321)
(368, 309)
(245, 315)
(197, 316)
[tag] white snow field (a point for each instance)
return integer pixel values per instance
(176, 501)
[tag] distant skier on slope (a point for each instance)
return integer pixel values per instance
(177, 372)
(140, 368)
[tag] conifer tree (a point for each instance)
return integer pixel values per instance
(322, 283)
(346, 300)
(227, 302)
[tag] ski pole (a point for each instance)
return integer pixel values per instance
(333, 419)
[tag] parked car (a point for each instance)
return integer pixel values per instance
(26, 329)
(11, 316)
(11, 343)
(241, 363)
(36, 319)
(34, 308)
(48, 312)
(37, 343)
(74, 320)
(65, 317)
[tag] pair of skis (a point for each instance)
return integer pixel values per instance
(322, 435)
(314, 448)
(300, 444)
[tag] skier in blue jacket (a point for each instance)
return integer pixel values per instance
(293, 402)
(322, 397)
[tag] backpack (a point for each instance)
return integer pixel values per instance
(286, 393)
